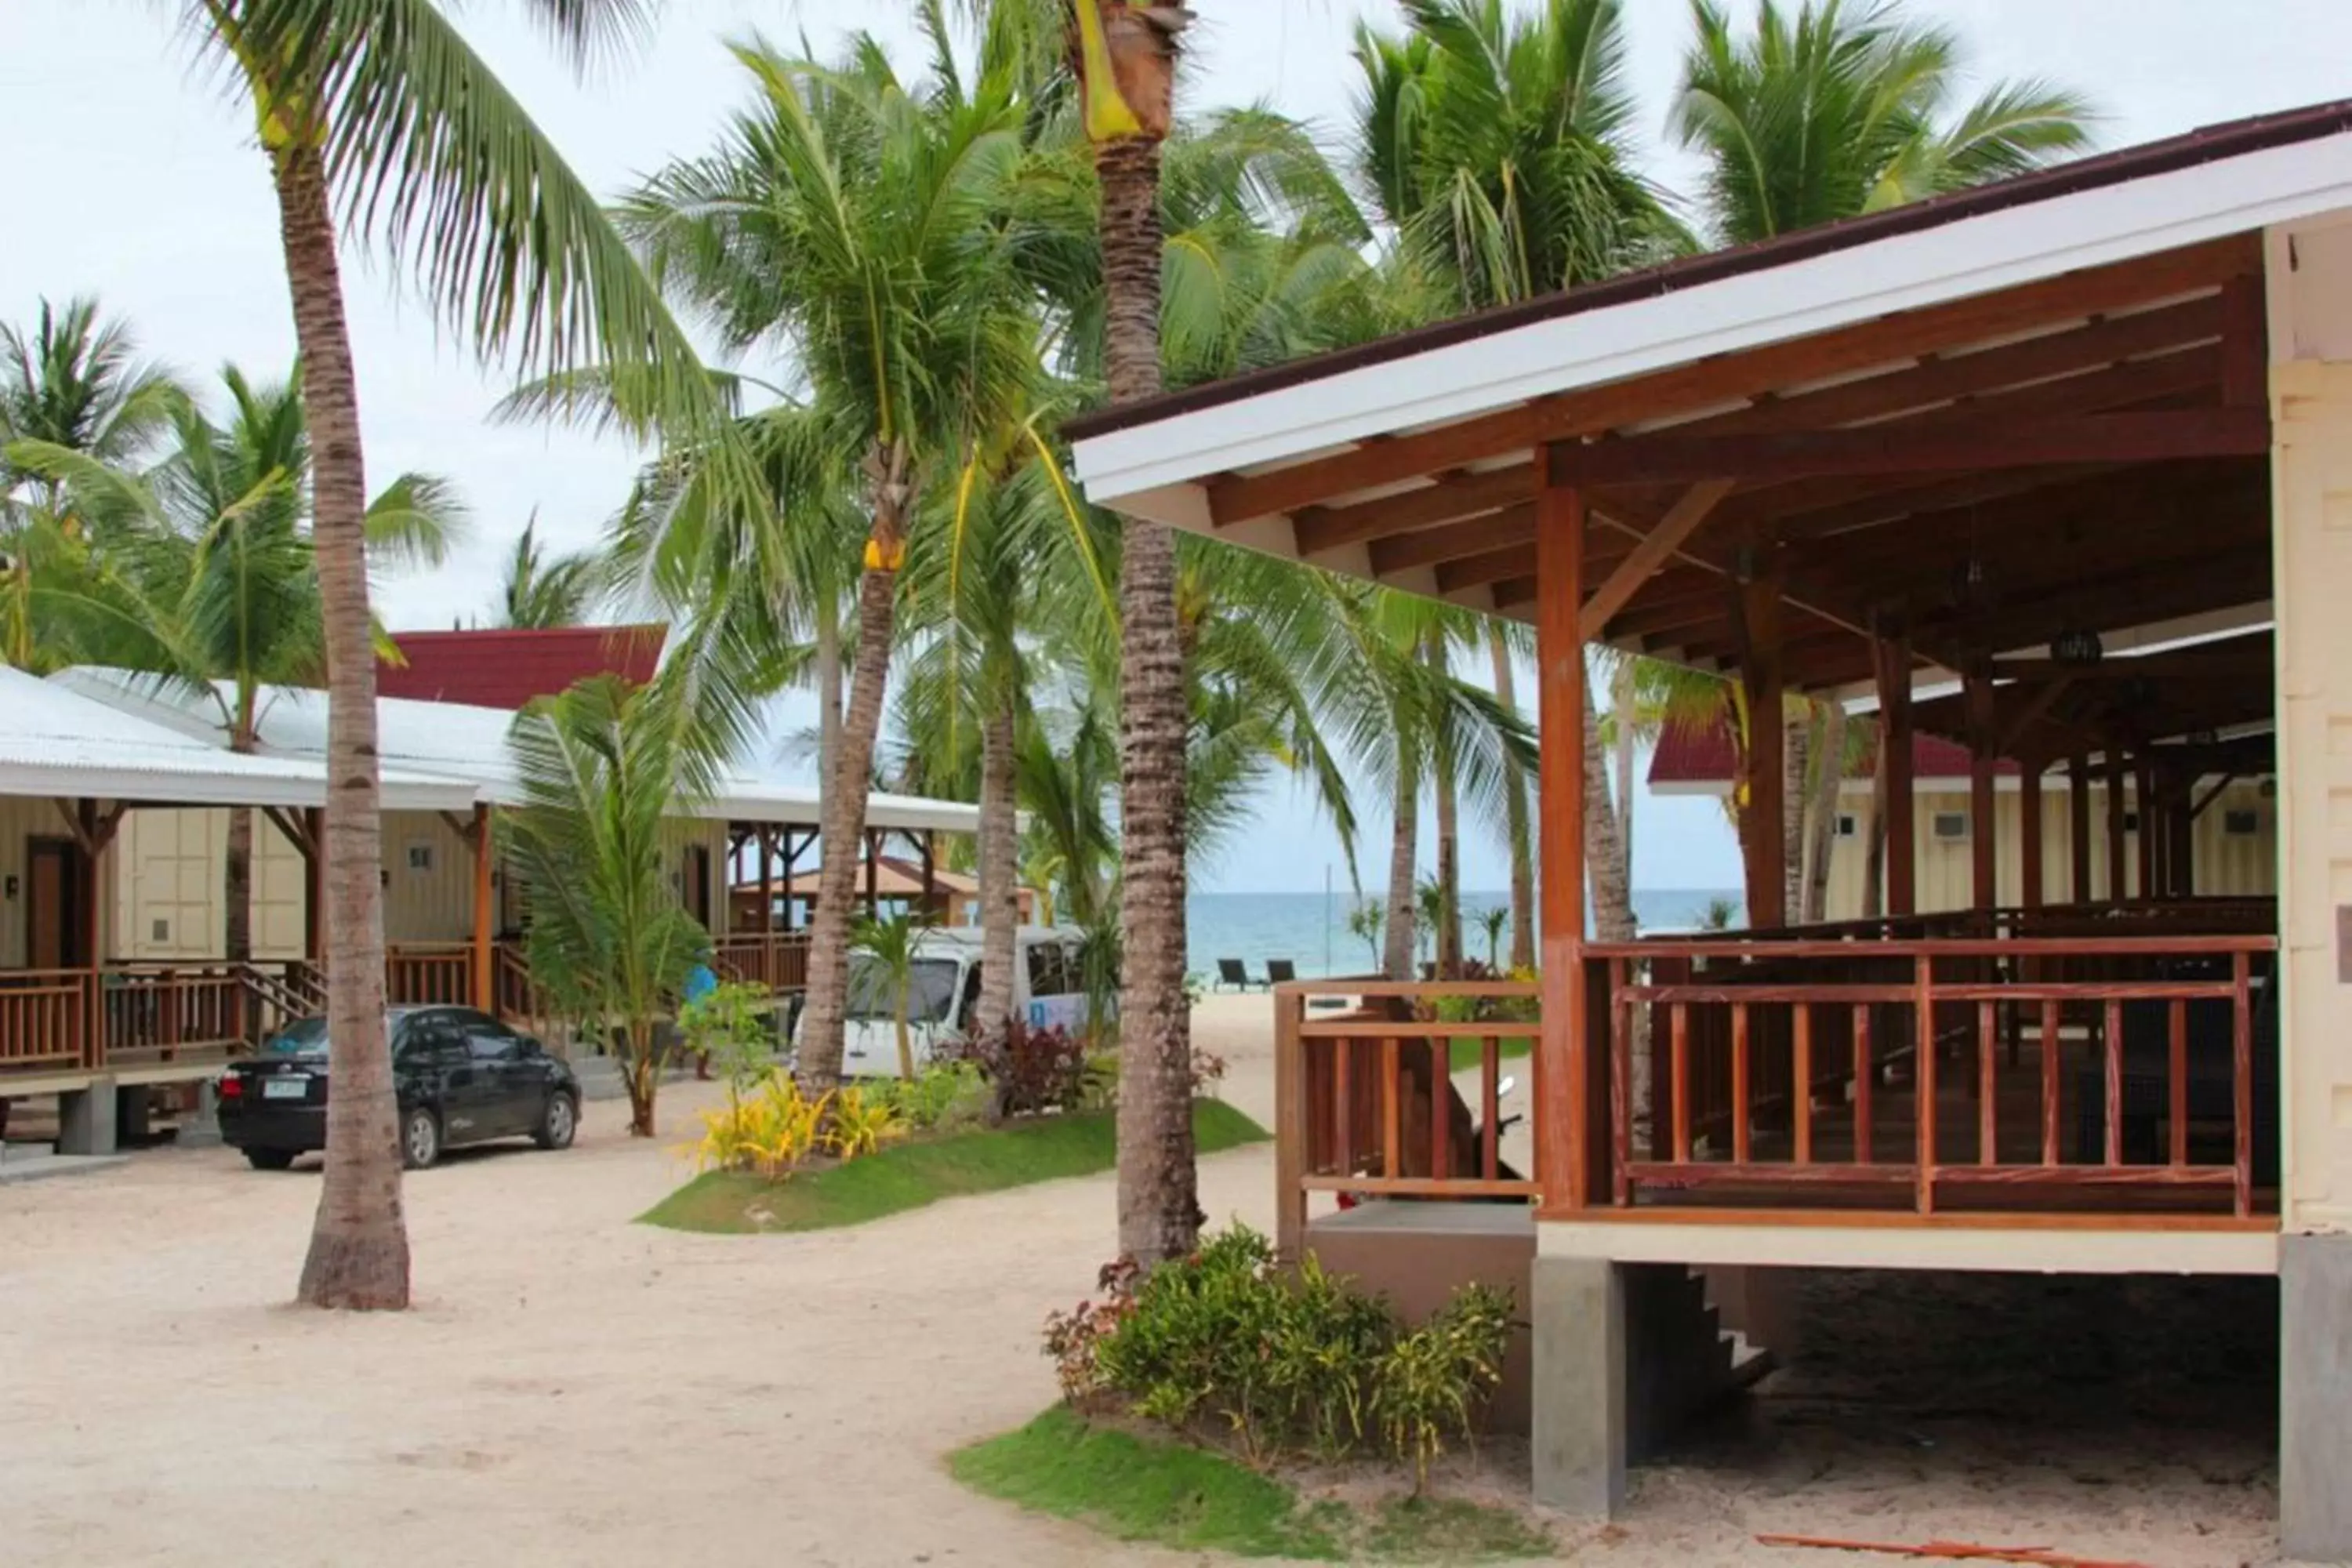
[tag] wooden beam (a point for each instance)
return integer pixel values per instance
(1564, 1070)
(1428, 546)
(1681, 521)
(1711, 383)
(1455, 496)
(291, 829)
(477, 835)
(314, 887)
(1984, 832)
(2033, 867)
(463, 827)
(2118, 850)
(2204, 803)
(1757, 611)
(2078, 823)
(2150, 833)
(2245, 344)
(2035, 709)
(1895, 450)
(1891, 658)
(1496, 566)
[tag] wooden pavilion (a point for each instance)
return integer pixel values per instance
(2050, 469)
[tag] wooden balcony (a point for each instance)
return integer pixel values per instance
(2134, 1077)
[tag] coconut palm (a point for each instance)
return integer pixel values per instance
(888, 946)
(856, 219)
(542, 590)
(603, 766)
(1841, 109)
(207, 577)
(381, 109)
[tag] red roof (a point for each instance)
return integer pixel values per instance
(1702, 755)
(508, 667)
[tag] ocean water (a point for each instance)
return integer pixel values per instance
(1313, 933)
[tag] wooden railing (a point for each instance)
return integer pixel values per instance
(1870, 1074)
(515, 995)
(155, 1014)
(777, 961)
(423, 975)
(44, 1020)
(1367, 1102)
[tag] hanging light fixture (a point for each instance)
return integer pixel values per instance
(2078, 649)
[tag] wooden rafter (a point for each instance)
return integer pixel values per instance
(291, 829)
(1933, 330)
(1682, 521)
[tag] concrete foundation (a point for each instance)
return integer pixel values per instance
(1580, 1447)
(134, 1115)
(86, 1119)
(2315, 1397)
(200, 1128)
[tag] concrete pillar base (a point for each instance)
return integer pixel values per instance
(86, 1119)
(2315, 1397)
(200, 1129)
(1577, 1307)
(134, 1115)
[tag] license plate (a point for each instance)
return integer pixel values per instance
(286, 1086)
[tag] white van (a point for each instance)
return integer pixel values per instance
(1048, 992)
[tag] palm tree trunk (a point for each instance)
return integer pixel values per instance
(1604, 845)
(1829, 779)
(828, 688)
(1623, 699)
(1159, 1187)
(1873, 867)
(1515, 825)
(1796, 754)
(359, 1243)
(843, 811)
(1404, 855)
(237, 886)
(1449, 845)
(999, 893)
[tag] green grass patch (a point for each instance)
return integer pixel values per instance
(1171, 1494)
(909, 1175)
(1465, 1054)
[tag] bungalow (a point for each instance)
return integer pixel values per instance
(1998, 462)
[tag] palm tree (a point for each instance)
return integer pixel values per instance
(1841, 109)
(381, 107)
(207, 578)
(856, 219)
(889, 947)
(541, 590)
(603, 766)
(1504, 644)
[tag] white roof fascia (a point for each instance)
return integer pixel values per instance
(1966, 257)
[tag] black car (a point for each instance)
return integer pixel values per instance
(462, 1076)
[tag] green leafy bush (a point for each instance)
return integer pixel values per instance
(1283, 1364)
(943, 1094)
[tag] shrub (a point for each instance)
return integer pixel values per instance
(942, 1094)
(861, 1122)
(774, 1129)
(733, 1028)
(1284, 1364)
(1030, 1071)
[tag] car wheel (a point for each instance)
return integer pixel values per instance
(420, 1139)
(558, 1122)
(269, 1158)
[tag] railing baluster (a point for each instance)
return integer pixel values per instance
(1801, 1092)
(1490, 1076)
(1864, 1071)
(1392, 1107)
(1620, 1089)
(1441, 1108)
(2115, 1060)
(1988, 1087)
(2051, 1085)
(1924, 1060)
(2178, 1112)
(1742, 1136)
(2242, 1036)
(1343, 1099)
(1682, 1128)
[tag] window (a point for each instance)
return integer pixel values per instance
(420, 855)
(487, 1039)
(1951, 824)
(2242, 824)
(930, 990)
(2131, 822)
(432, 1041)
(1848, 825)
(1050, 970)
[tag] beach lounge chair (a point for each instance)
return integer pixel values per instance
(1232, 971)
(1280, 971)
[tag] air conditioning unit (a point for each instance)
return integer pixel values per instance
(2242, 824)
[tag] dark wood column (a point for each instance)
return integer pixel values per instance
(1567, 1108)
(1892, 657)
(872, 875)
(1764, 847)
(2181, 841)
(485, 911)
(1984, 836)
(767, 879)
(2118, 847)
(931, 843)
(314, 886)
(2078, 822)
(2150, 833)
(2031, 865)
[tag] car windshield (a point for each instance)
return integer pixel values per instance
(930, 990)
(304, 1037)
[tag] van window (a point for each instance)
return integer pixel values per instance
(930, 990)
(1052, 971)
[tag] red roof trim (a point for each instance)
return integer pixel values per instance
(508, 667)
(1704, 755)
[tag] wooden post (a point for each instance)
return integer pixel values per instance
(791, 866)
(2031, 866)
(2149, 832)
(1892, 657)
(1290, 1127)
(2119, 869)
(2078, 822)
(1765, 845)
(314, 886)
(872, 875)
(1984, 834)
(94, 1045)
(767, 879)
(485, 903)
(2182, 822)
(1565, 1102)
(930, 842)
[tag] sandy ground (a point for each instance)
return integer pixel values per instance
(573, 1389)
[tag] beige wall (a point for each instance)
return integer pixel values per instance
(19, 820)
(164, 875)
(2312, 494)
(2227, 863)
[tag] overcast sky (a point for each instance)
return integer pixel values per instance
(130, 179)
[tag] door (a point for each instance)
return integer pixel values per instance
(697, 884)
(511, 1093)
(443, 1065)
(56, 921)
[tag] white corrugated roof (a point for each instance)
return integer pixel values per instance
(455, 743)
(59, 741)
